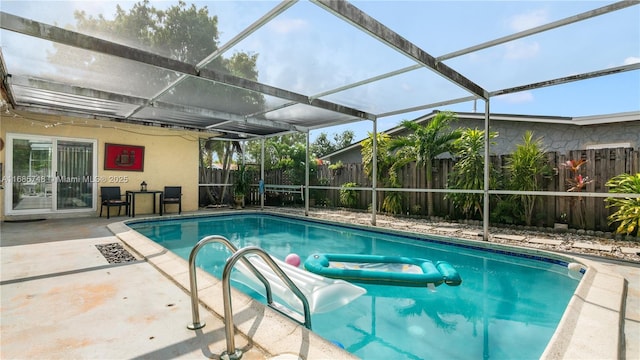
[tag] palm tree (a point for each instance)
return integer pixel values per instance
(385, 159)
(425, 143)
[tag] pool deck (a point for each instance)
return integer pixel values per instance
(60, 298)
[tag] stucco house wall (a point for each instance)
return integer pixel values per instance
(559, 134)
(561, 137)
(171, 155)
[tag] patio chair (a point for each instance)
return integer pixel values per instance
(111, 197)
(171, 195)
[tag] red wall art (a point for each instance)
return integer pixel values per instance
(123, 157)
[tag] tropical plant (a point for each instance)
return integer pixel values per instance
(468, 172)
(222, 152)
(425, 143)
(336, 166)
(576, 183)
(319, 196)
(386, 164)
(393, 200)
(627, 213)
(287, 153)
(348, 196)
(527, 166)
(240, 182)
(506, 211)
(563, 218)
(384, 158)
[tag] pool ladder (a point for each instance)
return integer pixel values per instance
(231, 352)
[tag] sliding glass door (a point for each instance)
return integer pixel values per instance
(46, 174)
(30, 184)
(74, 175)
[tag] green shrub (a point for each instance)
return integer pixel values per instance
(392, 202)
(628, 209)
(337, 166)
(348, 197)
(507, 211)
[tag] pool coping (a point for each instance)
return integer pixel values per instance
(584, 331)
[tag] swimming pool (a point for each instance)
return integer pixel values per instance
(507, 306)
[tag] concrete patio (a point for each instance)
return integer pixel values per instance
(61, 299)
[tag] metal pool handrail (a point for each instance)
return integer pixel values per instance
(232, 352)
(195, 311)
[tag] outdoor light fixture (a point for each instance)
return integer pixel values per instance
(143, 186)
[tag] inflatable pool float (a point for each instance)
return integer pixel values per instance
(322, 293)
(383, 270)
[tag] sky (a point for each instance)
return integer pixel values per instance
(309, 50)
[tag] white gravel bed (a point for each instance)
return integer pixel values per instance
(578, 242)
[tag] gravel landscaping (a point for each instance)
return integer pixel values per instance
(579, 242)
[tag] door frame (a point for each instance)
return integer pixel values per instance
(8, 204)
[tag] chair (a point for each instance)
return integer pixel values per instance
(171, 195)
(111, 197)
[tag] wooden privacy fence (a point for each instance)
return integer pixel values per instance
(581, 212)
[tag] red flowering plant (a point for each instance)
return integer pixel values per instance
(576, 183)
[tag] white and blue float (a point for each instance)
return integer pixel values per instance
(383, 270)
(327, 279)
(323, 294)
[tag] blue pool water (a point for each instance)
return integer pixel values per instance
(507, 307)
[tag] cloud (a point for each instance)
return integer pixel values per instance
(528, 20)
(285, 26)
(521, 50)
(631, 60)
(516, 98)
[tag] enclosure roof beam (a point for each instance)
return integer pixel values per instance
(242, 136)
(263, 122)
(369, 80)
(6, 80)
(336, 123)
(279, 9)
(346, 87)
(429, 106)
(567, 79)
(368, 24)
(227, 117)
(538, 29)
(71, 38)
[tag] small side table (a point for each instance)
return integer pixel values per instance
(131, 197)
